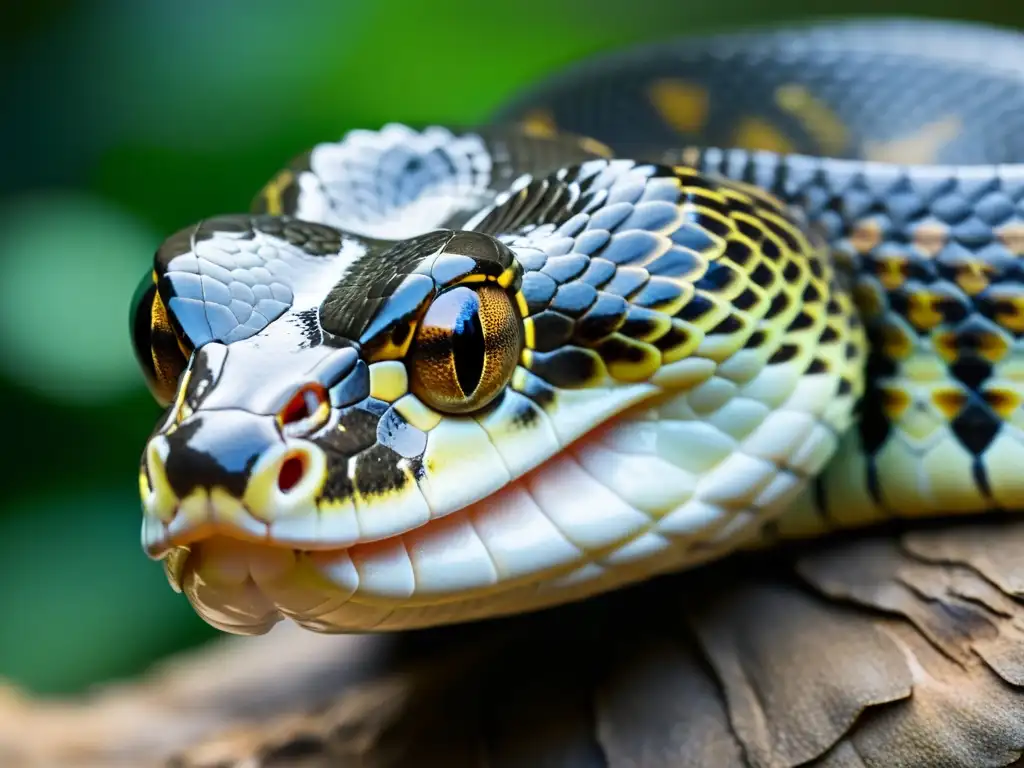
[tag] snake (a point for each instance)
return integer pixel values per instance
(673, 303)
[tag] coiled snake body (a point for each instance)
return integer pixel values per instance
(442, 375)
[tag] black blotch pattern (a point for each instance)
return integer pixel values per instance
(566, 368)
(763, 275)
(605, 316)
(551, 330)
(801, 321)
(791, 272)
(756, 340)
(615, 349)
(356, 431)
(779, 304)
(971, 370)
(378, 471)
(538, 390)
(783, 354)
(728, 324)
(976, 427)
(695, 308)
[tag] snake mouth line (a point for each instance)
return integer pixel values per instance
(502, 541)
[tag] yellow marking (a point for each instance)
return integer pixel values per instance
(227, 509)
(1002, 401)
(393, 349)
(529, 333)
(756, 133)
(1010, 313)
(412, 409)
(950, 401)
(921, 147)
(174, 566)
(973, 276)
(596, 147)
(627, 359)
(389, 380)
(684, 106)
(892, 270)
(505, 278)
(692, 336)
(992, 347)
(524, 308)
(921, 311)
(164, 501)
(945, 344)
(194, 508)
(539, 123)
(263, 497)
(659, 323)
(180, 407)
(274, 189)
(337, 506)
(894, 402)
(895, 342)
(818, 120)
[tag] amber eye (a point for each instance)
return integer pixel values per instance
(465, 348)
(306, 412)
(156, 344)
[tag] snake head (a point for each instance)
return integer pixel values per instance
(329, 399)
(245, 445)
(613, 371)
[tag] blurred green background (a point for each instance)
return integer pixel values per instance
(124, 120)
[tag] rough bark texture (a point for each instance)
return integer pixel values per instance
(884, 650)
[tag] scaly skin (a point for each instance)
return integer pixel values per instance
(677, 352)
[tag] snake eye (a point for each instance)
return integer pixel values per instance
(307, 411)
(465, 348)
(156, 344)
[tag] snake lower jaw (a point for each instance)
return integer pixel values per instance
(553, 536)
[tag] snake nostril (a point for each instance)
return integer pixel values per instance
(306, 412)
(291, 473)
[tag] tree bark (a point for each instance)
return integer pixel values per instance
(888, 649)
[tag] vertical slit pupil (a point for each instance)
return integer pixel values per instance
(468, 349)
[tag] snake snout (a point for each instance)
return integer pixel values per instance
(216, 449)
(229, 472)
